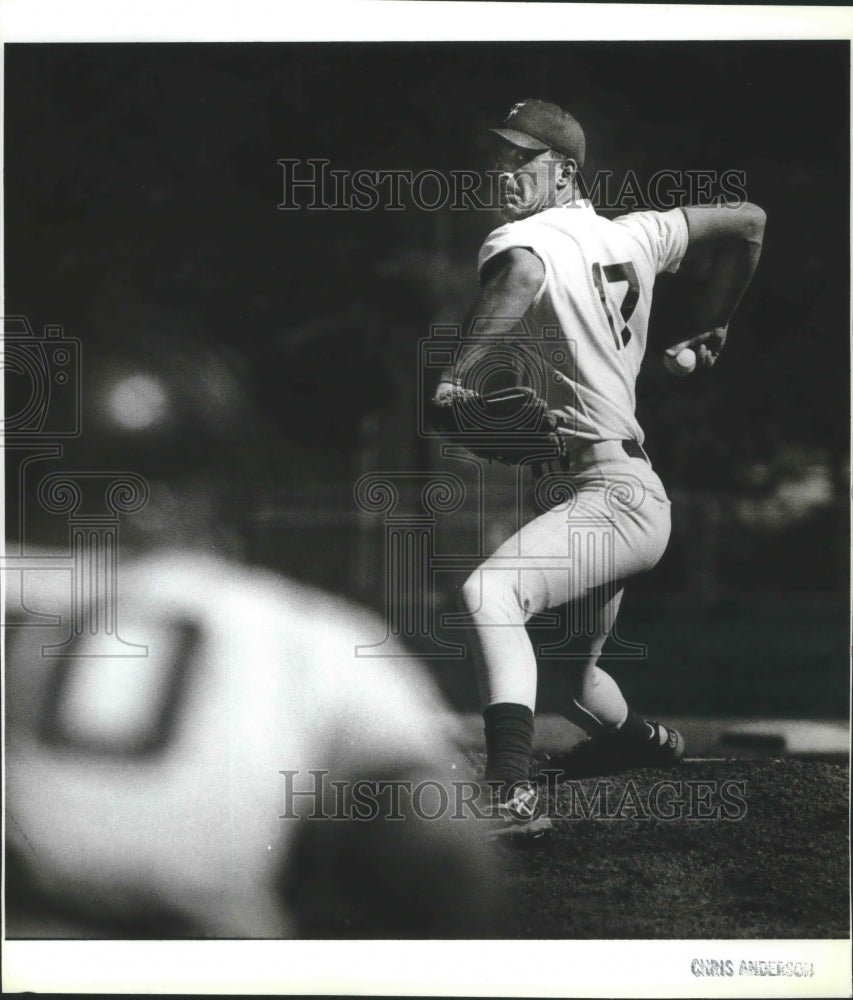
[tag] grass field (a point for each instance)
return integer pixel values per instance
(777, 869)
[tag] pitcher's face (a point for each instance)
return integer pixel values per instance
(528, 181)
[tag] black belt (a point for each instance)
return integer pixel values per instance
(632, 448)
(578, 459)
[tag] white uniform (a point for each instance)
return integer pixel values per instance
(153, 785)
(608, 517)
(597, 291)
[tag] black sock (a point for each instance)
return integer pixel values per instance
(509, 742)
(635, 728)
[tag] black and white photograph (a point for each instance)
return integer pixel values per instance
(426, 562)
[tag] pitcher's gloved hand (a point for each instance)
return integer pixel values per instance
(508, 425)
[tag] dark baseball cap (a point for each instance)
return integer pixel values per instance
(540, 125)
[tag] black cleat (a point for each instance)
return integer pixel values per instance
(666, 746)
(610, 752)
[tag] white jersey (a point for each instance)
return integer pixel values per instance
(595, 299)
(156, 780)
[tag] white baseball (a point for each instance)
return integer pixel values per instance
(682, 364)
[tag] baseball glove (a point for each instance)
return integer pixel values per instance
(511, 425)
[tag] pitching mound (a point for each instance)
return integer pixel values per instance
(710, 849)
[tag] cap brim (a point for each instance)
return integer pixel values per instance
(521, 139)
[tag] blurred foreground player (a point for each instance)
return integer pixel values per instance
(185, 789)
(564, 303)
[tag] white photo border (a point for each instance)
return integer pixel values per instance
(452, 968)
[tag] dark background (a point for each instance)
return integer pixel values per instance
(141, 193)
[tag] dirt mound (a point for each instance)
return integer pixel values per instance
(710, 849)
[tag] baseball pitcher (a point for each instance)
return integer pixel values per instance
(581, 287)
